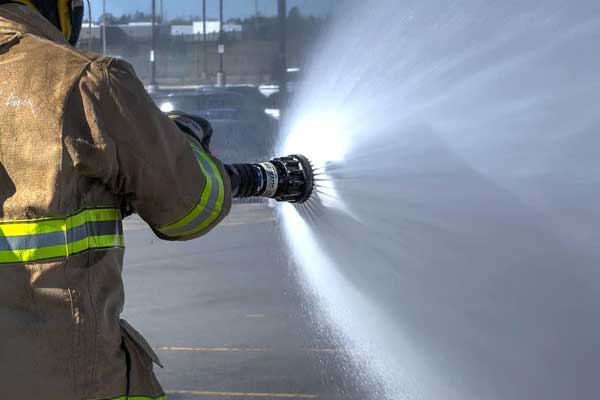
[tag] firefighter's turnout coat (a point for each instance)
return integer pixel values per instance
(80, 140)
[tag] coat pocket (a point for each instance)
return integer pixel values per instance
(139, 340)
(140, 359)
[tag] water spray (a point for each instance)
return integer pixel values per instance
(451, 241)
(285, 179)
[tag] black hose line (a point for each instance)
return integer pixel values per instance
(288, 179)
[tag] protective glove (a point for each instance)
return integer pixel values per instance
(197, 127)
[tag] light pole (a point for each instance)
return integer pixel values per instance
(204, 48)
(282, 63)
(153, 85)
(221, 80)
(104, 27)
(256, 14)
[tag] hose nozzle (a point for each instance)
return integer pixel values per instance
(289, 179)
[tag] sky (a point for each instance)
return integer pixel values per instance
(231, 8)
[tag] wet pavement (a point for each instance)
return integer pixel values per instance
(227, 317)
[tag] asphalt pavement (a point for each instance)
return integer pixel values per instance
(227, 317)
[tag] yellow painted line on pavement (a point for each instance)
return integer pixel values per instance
(238, 349)
(237, 222)
(141, 225)
(245, 394)
(238, 211)
(216, 349)
(323, 350)
(256, 315)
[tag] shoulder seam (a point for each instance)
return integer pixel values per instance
(63, 46)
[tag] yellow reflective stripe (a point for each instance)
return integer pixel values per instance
(47, 225)
(78, 246)
(97, 242)
(44, 253)
(94, 215)
(218, 206)
(204, 197)
(32, 228)
(204, 204)
(13, 235)
(139, 398)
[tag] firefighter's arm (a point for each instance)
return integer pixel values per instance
(166, 175)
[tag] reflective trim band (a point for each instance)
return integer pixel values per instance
(47, 238)
(210, 206)
(139, 398)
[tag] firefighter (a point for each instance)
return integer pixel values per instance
(81, 143)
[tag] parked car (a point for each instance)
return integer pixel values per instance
(243, 131)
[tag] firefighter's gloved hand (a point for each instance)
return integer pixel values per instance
(197, 127)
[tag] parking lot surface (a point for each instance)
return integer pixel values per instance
(227, 317)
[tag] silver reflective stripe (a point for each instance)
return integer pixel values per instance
(212, 199)
(32, 241)
(98, 228)
(40, 240)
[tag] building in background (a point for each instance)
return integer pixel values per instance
(196, 28)
(182, 30)
(133, 31)
(96, 32)
(184, 58)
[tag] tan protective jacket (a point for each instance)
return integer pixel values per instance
(79, 140)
